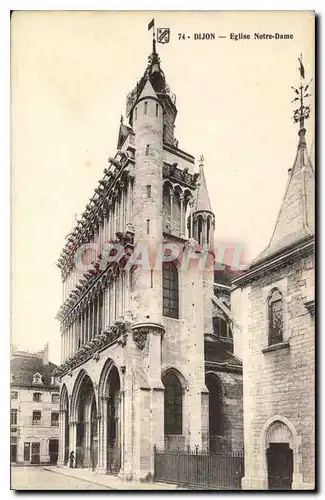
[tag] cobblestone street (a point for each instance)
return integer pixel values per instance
(36, 478)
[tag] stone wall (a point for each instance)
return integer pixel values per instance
(279, 383)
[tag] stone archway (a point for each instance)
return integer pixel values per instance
(110, 422)
(84, 424)
(279, 437)
(64, 426)
(216, 414)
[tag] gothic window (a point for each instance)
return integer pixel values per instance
(275, 307)
(173, 404)
(166, 206)
(221, 328)
(145, 107)
(215, 409)
(208, 229)
(199, 229)
(170, 290)
(177, 213)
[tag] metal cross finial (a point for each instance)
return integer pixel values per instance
(303, 112)
(201, 160)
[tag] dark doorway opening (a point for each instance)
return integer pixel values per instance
(280, 466)
(13, 453)
(113, 444)
(35, 456)
(53, 450)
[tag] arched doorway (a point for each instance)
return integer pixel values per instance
(216, 420)
(64, 410)
(279, 456)
(109, 390)
(113, 413)
(87, 428)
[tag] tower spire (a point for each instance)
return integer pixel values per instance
(151, 25)
(303, 112)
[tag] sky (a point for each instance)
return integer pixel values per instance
(70, 74)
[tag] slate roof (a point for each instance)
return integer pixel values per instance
(220, 352)
(202, 200)
(23, 369)
(296, 218)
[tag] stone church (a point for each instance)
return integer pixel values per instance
(149, 345)
(274, 303)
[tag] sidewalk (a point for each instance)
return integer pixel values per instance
(109, 481)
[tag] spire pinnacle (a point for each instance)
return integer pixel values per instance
(202, 201)
(303, 112)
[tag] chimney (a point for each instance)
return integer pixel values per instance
(46, 355)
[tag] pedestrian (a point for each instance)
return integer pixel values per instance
(71, 459)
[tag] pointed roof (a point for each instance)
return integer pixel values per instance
(296, 216)
(202, 201)
(148, 91)
(123, 133)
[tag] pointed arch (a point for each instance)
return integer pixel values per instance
(275, 316)
(173, 402)
(82, 375)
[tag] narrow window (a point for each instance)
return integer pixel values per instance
(157, 110)
(148, 226)
(147, 149)
(54, 419)
(275, 307)
(151, 278)
(13, 417)
(26, 452)
(135, 114)
(148, 191)
(145, 107)
(173, 404)
(170, 290)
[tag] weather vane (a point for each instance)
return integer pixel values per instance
(201, 159)
(303, 112)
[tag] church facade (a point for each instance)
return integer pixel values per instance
(148, 341)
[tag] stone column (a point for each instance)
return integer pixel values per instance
(87, 443)
(102, 437)
(191, 220)
(89, 320)
(73, 437)
(61, 437)
(182, 214)
(171, 211)
(127, 307)
(113, 299)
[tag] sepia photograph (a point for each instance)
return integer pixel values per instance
(162, 170)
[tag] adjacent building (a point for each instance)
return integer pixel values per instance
(144, 363)
(274, 304)
(34, 409)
